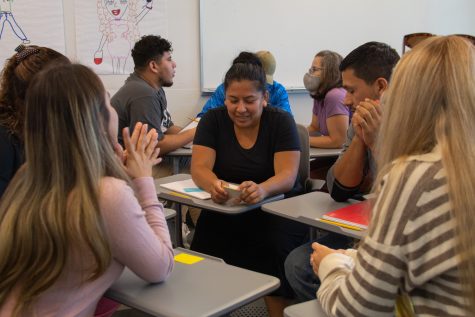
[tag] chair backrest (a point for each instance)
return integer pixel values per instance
(471, 38)
(304, 166)
(411, 40)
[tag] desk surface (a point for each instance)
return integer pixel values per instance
(310, 308)
(308, 208)
(180, 152)
(314, 152)
(207, 288)
(317, 152)
(176, 155)
(200, 203)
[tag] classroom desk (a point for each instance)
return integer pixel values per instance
(184, 152)
(310, 308)
(317, 152)
(207, 288)
(309, 207)
(176, 155)
(182, 199)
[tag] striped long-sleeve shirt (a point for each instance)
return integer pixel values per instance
(410, 247)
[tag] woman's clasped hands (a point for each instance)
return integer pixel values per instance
(141, 151)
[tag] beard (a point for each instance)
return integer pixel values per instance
(166, 83)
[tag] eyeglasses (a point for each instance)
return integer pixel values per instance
(314, 69)
(411, 40)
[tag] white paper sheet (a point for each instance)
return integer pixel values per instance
(187, 187)
(106, 31)
(30, 22)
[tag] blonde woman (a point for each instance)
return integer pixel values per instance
(420, 242)
(70, 220)
(118, 25)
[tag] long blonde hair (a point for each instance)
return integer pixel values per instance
(51, 207)
(431, 101)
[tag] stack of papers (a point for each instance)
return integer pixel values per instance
(355, 215)
(187, 187)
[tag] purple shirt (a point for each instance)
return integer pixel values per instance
(330, 106)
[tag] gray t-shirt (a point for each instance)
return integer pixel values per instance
(137, 101)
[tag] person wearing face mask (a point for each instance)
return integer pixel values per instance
(330, 117)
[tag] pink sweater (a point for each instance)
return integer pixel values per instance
(138, 237)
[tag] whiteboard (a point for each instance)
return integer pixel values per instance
(295, 30)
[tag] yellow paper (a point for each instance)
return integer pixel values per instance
(343, 225)
(187, 258)
(179, 195)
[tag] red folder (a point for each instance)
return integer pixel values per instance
(356, 215)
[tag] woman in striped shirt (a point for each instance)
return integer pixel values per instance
(421, 239)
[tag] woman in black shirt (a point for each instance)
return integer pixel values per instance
(256, 147)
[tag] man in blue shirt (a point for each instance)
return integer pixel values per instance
(277, 94)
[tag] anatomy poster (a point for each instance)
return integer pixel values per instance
(106, 31)
(30, 22)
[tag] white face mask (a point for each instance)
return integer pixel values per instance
(311, 83)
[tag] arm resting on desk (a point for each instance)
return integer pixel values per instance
(203, 175)
(349, 169)
(172, 141)
(286, 166)
(337, 126)
(136, 228)
(339, 192)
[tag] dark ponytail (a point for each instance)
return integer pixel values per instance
(241, 71)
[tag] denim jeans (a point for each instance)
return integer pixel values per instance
(300, 273)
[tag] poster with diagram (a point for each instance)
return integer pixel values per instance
(106, 31)
(30, 22)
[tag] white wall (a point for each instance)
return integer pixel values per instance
(184, 97)
(295, 30)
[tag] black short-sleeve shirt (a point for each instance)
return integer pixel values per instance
(11, 157)
(277, 133)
